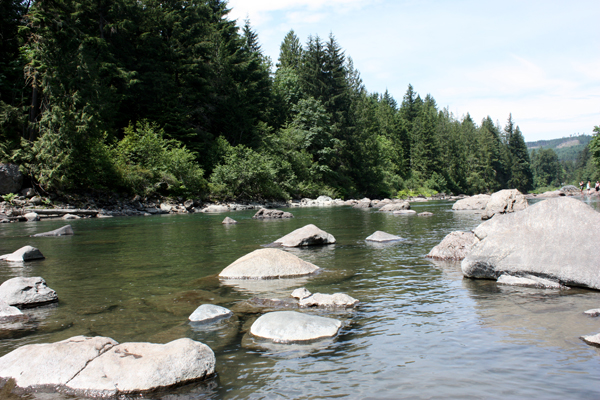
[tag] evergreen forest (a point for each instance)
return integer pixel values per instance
(172, 97)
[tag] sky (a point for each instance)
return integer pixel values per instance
(536, 60)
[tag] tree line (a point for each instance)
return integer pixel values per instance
(172, 97)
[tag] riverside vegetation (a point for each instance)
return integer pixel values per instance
(172, 98)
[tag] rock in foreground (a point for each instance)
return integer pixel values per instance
(504, 202)
(268, 264)
(291, 326)
(63, 231)
(556, 239)
(27, 292)
(308, 235)
(455, 246)
(209, 312)
(99, 366)
(25, 253)
(380, 236)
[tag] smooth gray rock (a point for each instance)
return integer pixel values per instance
(363, 203)
(8, 312)
(52, 364)
(268, 264)
(529, 281)
(35, 200)
(27, 292)
(25, 253)
(63, 231)
(405, 205)
(477, 202)
(308, 235)
(380, 236)
(265, 213)
(301, 293)
(336, 300)
(592, 339)
(131, 368)
(291, 326)
(11, 178)
(209, 312)
(556, 239)
(425, 214)
(594, 312)
(455, 246)
(229, 221)
(504, 202)
(404, 212)
(70, 216)
(32, 217)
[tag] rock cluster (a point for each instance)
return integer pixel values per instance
(264, 213)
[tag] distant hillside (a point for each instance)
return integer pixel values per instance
(566, 148)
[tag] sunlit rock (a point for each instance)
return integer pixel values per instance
(291, 326)
(308, 235)
(25, 253)
(27, 292)
(268, 264)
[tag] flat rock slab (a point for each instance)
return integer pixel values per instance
(229, 221)
(291, 326)
(268, 264)
(425, 214)
(308, 235)
(337, 300)
(405, 205)
(529, 281)
(25, 253)
(209, 313)
(503, 202)
(27, 292)
(594, 312)
(477, 202)
(380, 236)
(265, 213)
(594, 340)
(62, 231)
(405, 212)
(556, 239)
(141, 367)
(455, 246)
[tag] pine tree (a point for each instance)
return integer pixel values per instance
(521, 175)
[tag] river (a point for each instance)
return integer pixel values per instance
(420, 332)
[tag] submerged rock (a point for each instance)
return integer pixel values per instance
(209, 313)
(404, 212)
(504, 202)
(425, 214)
(63, 231)
(380, 236)
(455, 246)
(27, 292)
(308, 235)
(264, 213)
(268, 264)
(25, 253)
(291, 326)
(477, 202)
(529, 281)
(229, 221)
(556, 239)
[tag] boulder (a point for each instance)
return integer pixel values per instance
(215, 209)
(594, 312)
(8, 312)
(300, 293)
(594, 340)
(425, 214)
(25, 253)
(364, 203)
(63, 231)
(455, 246)
(32, 217)
(166, 208)
(555, 239)
(504, 202)
(70, 216)
(380, 236)
(404, 212)
(337, 300)
(229, 221)
(405, 205)
(308, 235)
(268, 264)
(477, 202)
(570, 190)
(529, 281)
(264, 213)
(35, 200)
(27, 292)
(209, 313)
(11, 178)
(292, 326)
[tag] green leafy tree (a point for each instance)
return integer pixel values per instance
(547, 170)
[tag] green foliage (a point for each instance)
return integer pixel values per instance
(146, 162)
(9, 197)
(594, 146)
(547, 169)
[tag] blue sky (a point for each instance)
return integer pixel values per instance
(539, 60)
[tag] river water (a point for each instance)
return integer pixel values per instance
(420, 332)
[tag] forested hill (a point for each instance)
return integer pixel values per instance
(174, 98)
(566, 148)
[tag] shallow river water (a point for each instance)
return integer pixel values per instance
(420, 332)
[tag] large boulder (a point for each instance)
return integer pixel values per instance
(556, 239)
(380, 236)
(27, 292)
(404, 205)
(63, 231)
(570, 190)
(504, 202)
(455, 246)
(209, 313)
(291, 326)
(25, 253)
(308, 235)
(32, 217)
(265, 213)
(363, 203)
(11, 178)
(477, 202)
(268, 264)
